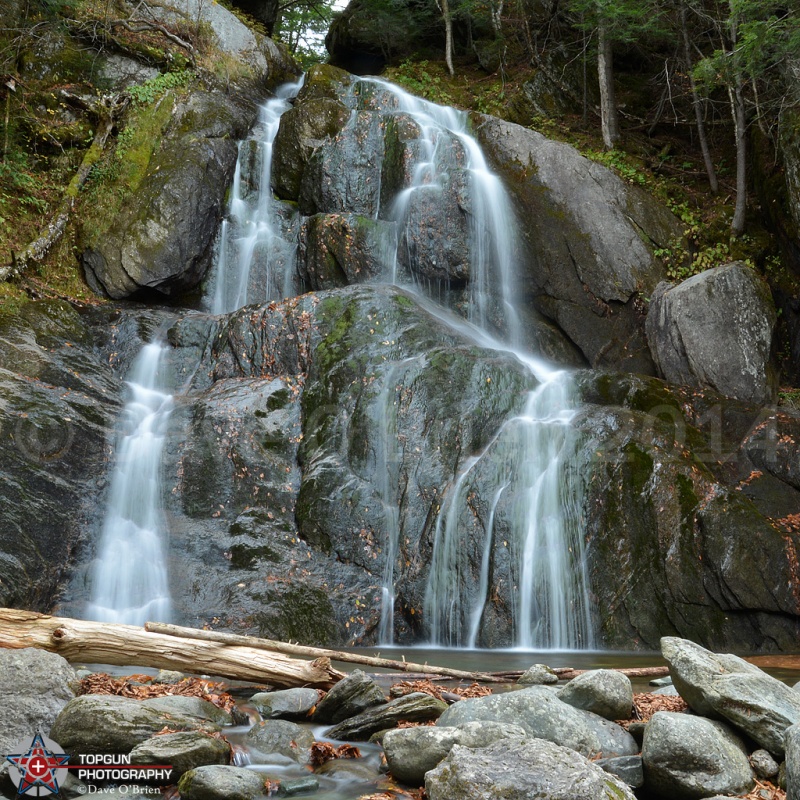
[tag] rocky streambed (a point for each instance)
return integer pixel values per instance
(725, 728)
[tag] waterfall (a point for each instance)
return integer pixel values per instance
(534, 454)
(130, 575)
(257, 241)
(129, 578)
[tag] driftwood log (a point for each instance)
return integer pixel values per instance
(122, 645)
(418, 670)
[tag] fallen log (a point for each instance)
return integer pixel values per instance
(507, 676)
(287, 648)
(123, 645)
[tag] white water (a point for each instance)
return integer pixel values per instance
(256, 258)
(129, 581)
(532, 458)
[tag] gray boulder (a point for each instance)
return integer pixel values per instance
(287, 703)
(160, 237)
(414, 707)
(185, 751)
(601, 691)
(542, 715)
(411, 752)
(729, 688)
(629, 769)
(34, 686)
(189, 706)
(714, 330)
(589, 237)
(792, 745)
(221, 783)
(764, 765)
(111, 724)
(520, 770)
(538, 674)
(283, 738)
(352, 695)
(691, 757)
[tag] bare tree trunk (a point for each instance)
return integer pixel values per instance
(609, 116)
(444, 7)
(106, 643)
(736, 95)
(698, 108)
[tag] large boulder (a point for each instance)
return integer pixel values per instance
(691, 757)
(352, 695)
(521, 769)
(542, 715)
(590, 240)
(185, 750)
(411, 752)
(283, 738)
(112, 724)
(714, 330)
(602, 691)
(792, 746)
(158, 234)
(221, 783)
(725, 686)
(34, 686)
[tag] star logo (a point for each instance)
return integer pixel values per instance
(37, 771)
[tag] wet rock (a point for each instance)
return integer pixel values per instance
(518, 770)
(58, 401)
(414, 707)
(538, 674)
(184, 751)
(689, 757)
(340, 249)
(727, 687)
(714, 330)
(628, 769)
(602, 691)
(542, 715)
(303, 128)
(168, 676)
(112, 724)
(280, 737)
(411, 752)
(575, 212)
(352, 695)
(221, 783)
(287, 703)
(34, 686)
(299, 786)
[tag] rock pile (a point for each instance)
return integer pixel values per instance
(555, 743)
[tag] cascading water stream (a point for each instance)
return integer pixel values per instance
(130, 575)
(129, 581)
(258, 229)
(532, 456)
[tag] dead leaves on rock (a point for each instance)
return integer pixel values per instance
(427, 686)
(325, 751)
(646, 704)
(764, 790)
(133, 686)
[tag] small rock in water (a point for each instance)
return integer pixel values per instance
(285, 704)
(280, 737)
(299, 786)
(538, 674)
(168, 676)
(352, 695)
(627, 768)
(667, 691)
(666, 681)
(184, 751)
(220, 783)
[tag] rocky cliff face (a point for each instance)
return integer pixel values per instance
(316, 441)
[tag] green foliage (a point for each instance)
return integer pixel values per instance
(149, 91)
(416, 77)
(621, 163)
(18, 184)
